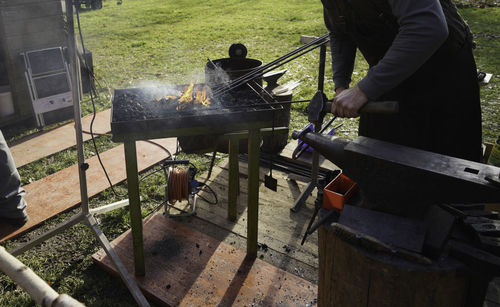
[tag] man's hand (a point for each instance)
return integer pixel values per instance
(348, 102)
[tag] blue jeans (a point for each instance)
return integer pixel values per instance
(12, 203)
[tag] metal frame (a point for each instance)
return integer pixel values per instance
(86, 216)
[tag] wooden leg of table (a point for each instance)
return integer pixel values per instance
(134, 207)
(232, 206)
(253, 191)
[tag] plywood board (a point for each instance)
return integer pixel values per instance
(188, 268)
(60, 191)
(50, 142)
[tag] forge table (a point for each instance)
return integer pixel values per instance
(235, 125)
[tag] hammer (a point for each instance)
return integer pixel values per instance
(320, 105)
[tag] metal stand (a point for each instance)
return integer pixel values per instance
(86, 216)
(315, 156)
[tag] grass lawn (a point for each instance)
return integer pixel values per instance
(145, 42)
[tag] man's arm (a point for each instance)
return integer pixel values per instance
(343, 51)
(423, 29)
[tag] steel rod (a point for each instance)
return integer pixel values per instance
(234, 84)
(262, 68)
(49, 234)
(266, 68)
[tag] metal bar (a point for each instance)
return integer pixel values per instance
(125, 276)
(321, 71)
(233, 178)
(303, 196)
(49, 234)
(110, 207)
(134, 206)
(255, 73)
(253, 192)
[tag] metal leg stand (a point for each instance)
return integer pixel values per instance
(232, 206)
(134, 207)
(253, 192)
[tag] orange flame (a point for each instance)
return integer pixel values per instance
(189, 95)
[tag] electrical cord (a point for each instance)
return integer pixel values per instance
(93, 93)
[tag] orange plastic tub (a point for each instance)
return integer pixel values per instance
(338, 192)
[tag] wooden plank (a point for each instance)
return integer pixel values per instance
(46, 143)
(59, 192)
(187, 268)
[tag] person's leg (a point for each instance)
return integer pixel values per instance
(12, 203)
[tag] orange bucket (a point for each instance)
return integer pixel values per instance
(338, 192)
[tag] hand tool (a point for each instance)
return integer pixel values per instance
(320, 106)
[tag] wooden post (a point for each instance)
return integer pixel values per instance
(253, 192)
(351, 275)
(232, 206)
(134, 206)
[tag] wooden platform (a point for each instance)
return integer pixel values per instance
(43, 144)
(279, 229)
(188, 268)
(60, 191)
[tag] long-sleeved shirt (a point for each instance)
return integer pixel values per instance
(422, 30)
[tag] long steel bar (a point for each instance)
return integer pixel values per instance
(262, 68)
(272, 65)
(49, 234)
(236, 84)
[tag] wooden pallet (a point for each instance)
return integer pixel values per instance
(60, 191)
(43, 144)
(188, 268)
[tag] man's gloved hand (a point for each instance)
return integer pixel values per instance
(347, 102)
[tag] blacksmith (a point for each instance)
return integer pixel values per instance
(420, 54)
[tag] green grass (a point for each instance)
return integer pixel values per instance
(168, 41)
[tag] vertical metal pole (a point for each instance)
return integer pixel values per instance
(232, 206)
(315, 156)
(253, 192)
(134, 206)
(74, 73)
(321, 70)
(317, 127)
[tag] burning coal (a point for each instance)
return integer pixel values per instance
(191, 95)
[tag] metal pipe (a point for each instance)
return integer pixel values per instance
(36, 287)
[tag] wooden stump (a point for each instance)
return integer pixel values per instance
(353, 276)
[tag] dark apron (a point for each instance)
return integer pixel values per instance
(439, 104)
